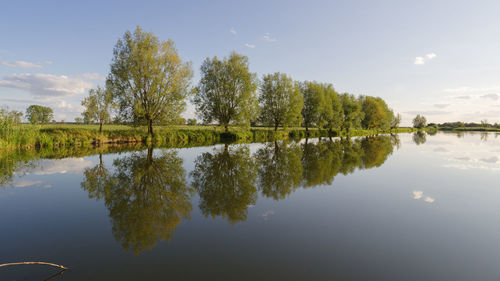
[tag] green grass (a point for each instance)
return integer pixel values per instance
(78, 135)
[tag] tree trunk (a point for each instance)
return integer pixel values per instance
(226, 128)
(307, 128)
(275, 126)
(100, 127)
(150, 127)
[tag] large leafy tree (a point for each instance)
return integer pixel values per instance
(314, 99)
(149, 79)
(98, 106)
(226, 92)
(331, 112)
(419, 121)
(376, 113)
(353, 114)
(37, 114)
(280, 101)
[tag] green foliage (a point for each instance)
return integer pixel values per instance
(149, 79)
(280, 169)
(314, 98)
(280, 101)
(331, 111)
(37, 114)
(419, 122)
(98, 106)
(376, 113)
(226, 92)
(225, 181)
(191, 121)
(352, 113)
(147, 196)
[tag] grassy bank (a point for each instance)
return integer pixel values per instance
(70, 135)
(470, 129)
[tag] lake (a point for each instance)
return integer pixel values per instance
(404, 207)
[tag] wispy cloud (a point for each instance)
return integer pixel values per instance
(268, 37)
(418, 194)
(22, 64)
(423, 59)
(46, 86)
(427, 112)
(491, 96)
(233, 31)
(250, 45)
(93, 76)
(441, 105)
(466, 89)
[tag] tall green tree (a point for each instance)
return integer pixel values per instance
(419, 121)
(376, 113)
(226, 92)
(280, 101)
(353, 115)
(98, 106)
(396, 121)
(37, 114)
(149, 79)
(331, 111)
(314, 98)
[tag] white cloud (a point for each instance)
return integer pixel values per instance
(429, 199)
(61, 166)
(22, 64)
(25, 183)
(419, 60)
(431, 56)
(250, 45)
(48, 62)
(268, 37)
(417, 194)
(233, 31)
(93, 76)
(424, 59)
(46, 86)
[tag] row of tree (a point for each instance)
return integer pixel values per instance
(149, 84)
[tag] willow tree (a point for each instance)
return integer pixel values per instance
(314, 99)
(280, 101)
(227, 91)
(98, 106)
(149, 79)
(353, 115)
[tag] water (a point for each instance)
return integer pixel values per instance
(407, 207)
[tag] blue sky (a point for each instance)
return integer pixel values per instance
(438, 58)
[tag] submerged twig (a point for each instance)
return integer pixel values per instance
(33, 262)
(55, 275)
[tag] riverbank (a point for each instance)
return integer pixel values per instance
(71, 135)
(470, 129)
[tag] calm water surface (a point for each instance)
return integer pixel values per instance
(407, 207)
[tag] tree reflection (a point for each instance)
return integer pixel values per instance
(419, 138)
(321, 162)
(147, 197)
(351, 155)
(225, 181)
(375, 151)
(280, 169)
